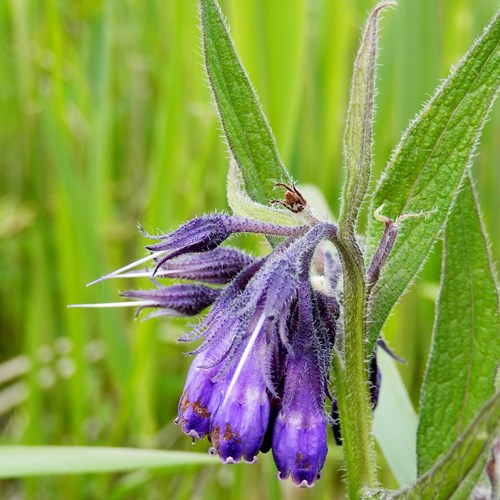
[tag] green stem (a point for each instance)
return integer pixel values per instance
(351, 377)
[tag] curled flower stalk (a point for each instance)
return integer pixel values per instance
(260, 377)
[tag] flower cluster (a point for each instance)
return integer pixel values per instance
(260, 376)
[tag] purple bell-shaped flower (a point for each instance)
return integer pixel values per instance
(299, 435)
(239, 425)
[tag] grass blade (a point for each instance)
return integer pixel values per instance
(23, 461)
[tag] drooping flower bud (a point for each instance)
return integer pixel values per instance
(218, 266)
(198, 235)
(176, 300)
(208, 232)
(299, 435)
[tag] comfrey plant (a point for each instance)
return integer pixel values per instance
(259, 379)
(295, 332)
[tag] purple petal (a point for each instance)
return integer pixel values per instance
(299, 438)
(199, 400)
(238, 427)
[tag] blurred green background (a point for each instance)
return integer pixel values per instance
(106, 119)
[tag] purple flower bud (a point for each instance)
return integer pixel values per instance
(218, 266)
(198, 235)
(208, 232)
(238, 426)
(375, 379)
(176, 300)
(199, 400)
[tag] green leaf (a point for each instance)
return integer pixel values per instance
(445, 479)
(468, 483)
(465, 353)
(358, 138)
(248, 134)
(427, 169)
(22, 461)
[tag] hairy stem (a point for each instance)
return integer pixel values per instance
(351, 376)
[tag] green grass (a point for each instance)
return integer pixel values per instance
(106, 120)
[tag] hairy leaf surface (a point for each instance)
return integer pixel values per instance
(358, 138)
(465, 353)
(427, 169)
(247, 132)
(446, 478)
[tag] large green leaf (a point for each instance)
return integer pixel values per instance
(248, 134)
(427, 169)
(21, 461)
(465, 353)
(446, 478)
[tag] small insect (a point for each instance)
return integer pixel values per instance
(294, 201)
